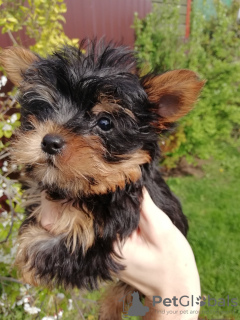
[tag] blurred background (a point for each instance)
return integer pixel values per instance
(200, 159)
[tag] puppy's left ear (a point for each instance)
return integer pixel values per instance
(15, 61)
(172, 94)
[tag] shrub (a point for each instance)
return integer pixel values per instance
(213, 52)
(41, 20)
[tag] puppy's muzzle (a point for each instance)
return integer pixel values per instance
(52, 144)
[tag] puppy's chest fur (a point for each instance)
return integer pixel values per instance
(78, 249)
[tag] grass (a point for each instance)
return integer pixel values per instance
(212, 205)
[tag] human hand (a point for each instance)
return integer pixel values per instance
(159, 261)
(50, 211)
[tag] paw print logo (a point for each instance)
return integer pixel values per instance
(201, 301)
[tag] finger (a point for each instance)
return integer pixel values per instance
(153, 221)
(148, 207)
(49, 212)
(121, 247)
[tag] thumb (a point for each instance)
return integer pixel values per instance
(153, 221)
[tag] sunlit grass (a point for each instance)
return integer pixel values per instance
(212, 205)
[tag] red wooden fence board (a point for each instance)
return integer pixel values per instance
(97, 18)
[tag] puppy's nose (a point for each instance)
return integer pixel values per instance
(52, 144)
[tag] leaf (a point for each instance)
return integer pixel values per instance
(3, 21)
(8, 134)
(12, 19)
(24, 9)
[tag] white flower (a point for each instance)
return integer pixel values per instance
(21, 216)
(31, 310)
(5, 223)
(14, 166)
(26, 306)
(5, 163)
(4, 185)
(60, 295)
(70, 304)
(7, 127)
(4, 169)
(47, 318)
(22, 289)
(3, 80)
(35, 310)
(4, 214)
(1, 192)
(13, 118)
(20, 302)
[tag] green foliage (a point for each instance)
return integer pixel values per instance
(42, 20)
(158, 38)
(213, 52)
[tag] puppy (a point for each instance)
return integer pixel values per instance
(87, 145)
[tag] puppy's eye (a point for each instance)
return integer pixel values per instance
(105, 124)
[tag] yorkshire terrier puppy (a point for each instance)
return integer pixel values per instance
(88, 144)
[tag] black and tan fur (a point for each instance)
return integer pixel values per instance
(108, 121)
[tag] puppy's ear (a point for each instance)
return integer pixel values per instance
(15, 61)
(172, 94)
